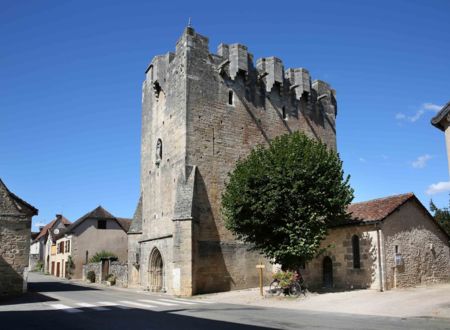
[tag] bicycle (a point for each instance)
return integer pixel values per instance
(294, 289)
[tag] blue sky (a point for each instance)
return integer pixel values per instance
(71, 75)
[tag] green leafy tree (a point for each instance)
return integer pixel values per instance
(282, 198)
(442, 216)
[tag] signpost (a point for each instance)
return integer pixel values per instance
(260, 267)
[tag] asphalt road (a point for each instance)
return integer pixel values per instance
(57, 304)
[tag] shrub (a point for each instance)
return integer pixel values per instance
(91, 276)
(39, 266)
(111, 278)
(101, 255)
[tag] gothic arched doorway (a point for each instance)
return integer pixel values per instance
(327, 272)
(156, 271)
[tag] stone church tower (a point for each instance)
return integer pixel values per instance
(201, 112)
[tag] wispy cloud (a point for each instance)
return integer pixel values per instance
(437, 188)
(419, 113)
(39, 224)
(362, 160)
(421, 161)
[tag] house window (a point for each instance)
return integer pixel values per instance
(101, 224)
(87, 257)
(61, 247)
(230, 97)
(67, 246)
(356, 255)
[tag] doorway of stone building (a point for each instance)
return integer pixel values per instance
(156, 271)
(327, 272)
(57, 269)
(53, 268)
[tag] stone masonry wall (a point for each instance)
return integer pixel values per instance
(339, 249)
(191, 139)
(14, 254)
(120, 271)
(421, 244)
(219, 133)
(96, 267)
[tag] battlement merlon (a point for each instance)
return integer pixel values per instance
(234, 59)
(326, 96)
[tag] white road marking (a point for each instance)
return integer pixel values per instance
(195, 301)
(157, 302)
(110, 303)
(178, 301)
(66, 308)
(127, 302)
(97, 308)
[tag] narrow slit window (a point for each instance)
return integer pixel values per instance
(230, 97)
(356, 254)
(284, 113)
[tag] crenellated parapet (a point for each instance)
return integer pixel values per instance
(300, 81)
(326, 97)
(290, 90)
(270, 71)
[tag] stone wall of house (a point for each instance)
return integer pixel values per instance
(421, 244)
(14, 254)
(339, 249)
(201, 113)
(120, 271)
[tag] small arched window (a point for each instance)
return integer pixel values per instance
(356, 254)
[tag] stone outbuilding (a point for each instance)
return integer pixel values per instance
(390, 242)
(15, 231)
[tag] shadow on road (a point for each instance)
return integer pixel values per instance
(115, 318)
(27, 298)
(56, 287)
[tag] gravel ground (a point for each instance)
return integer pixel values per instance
(427, 301)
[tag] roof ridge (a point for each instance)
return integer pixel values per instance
(409, 194)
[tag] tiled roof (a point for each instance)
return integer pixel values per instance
(48, 226)
(124, 223)
(436, 120)
(44, 230)
(100, 213)
(377, 209)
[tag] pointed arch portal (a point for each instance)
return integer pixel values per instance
(156, 271)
